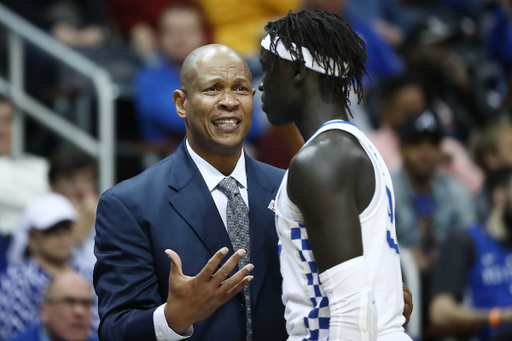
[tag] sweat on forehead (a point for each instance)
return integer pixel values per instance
(204, 55)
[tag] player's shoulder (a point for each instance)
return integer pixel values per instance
(331, 152)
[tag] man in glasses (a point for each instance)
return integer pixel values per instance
(65, 314)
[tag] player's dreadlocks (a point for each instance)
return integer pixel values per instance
(328, 37)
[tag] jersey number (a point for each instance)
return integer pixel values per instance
(392, 243)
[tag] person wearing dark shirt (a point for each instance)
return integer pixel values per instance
(479, 259)
(181, 31)
(75, 23)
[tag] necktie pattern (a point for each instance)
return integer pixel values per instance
(237, 220)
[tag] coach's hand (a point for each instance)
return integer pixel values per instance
(191, 299)
(407, 304)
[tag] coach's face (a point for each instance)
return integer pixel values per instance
(277, 86)
(217, 104)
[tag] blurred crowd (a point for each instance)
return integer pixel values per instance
(438, 108)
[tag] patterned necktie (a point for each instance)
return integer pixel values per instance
(237, 214)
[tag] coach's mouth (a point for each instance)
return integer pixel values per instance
(226, 122)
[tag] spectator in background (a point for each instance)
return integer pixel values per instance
(499, 34)
(386, 15)
(402, 97)
(48, 220)
(22, 177)
(239, 24)
(432, 59)
(65, 313)
(384, 61)
(74, 23)
(137, 21)
(479, 259)
(181, 31)
(399, 98)
(428, 205)
(492, 149)
(73, 174)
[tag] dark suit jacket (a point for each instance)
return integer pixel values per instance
(169, 206)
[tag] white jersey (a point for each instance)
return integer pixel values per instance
(307, 306)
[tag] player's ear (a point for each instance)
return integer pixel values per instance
(299, 73)
(179, 97)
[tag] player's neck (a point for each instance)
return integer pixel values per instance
(315, 113)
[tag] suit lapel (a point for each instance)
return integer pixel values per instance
(191, 198)
(262, 227)
(193, 201)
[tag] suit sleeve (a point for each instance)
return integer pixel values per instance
(124, 276)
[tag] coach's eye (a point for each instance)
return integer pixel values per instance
(241, 88)
(212, 89)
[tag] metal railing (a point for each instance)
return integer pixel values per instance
(19, 30)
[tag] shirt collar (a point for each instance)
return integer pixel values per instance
(212, 176)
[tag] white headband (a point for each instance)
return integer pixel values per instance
(282, 52)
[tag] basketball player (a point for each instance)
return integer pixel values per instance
(335, 216)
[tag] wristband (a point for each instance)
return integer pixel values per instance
(494, 317)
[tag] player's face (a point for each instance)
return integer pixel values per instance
(275, 87)
(218, 104)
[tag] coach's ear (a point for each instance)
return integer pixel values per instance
(299, 73)
(180, 97)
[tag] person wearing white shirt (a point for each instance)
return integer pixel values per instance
(22, 177)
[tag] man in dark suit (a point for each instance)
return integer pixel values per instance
(177, 207)
(176, 204)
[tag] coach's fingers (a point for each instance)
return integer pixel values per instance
(226, 269)
(176, 267)
(206, 273)
(238, 287)
(234, 280)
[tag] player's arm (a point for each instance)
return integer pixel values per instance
(332, 181)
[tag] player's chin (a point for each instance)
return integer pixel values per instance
(277, 121)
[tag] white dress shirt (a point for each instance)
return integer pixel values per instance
(212, 177)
